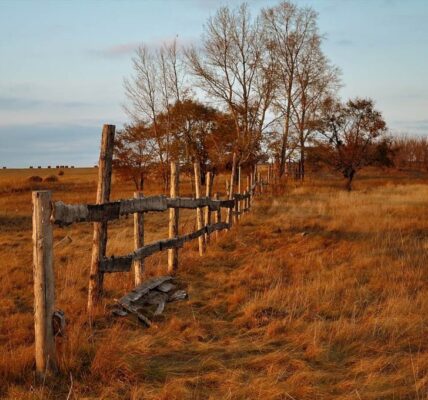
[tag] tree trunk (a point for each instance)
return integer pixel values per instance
(302, 161)
(349, 174)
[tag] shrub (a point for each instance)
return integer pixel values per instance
(61, 173)
(51, 178)
(35, 178)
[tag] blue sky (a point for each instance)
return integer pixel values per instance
(62, 64)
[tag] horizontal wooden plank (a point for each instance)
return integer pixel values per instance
(241, 196)
(124, 263)
(66, 214)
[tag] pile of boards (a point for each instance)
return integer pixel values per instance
(153, 293)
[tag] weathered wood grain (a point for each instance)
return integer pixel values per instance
(173, 219)
(124, 263)
(138, 242)
(100, 228)
(44, 283)
(66, 214)
(207, 211)
(231, 190)
(199, 215)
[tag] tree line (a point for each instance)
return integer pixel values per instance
(259, 87)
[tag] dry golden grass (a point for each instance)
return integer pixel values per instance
(318, 294)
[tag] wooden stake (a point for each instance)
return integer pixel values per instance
(239, 202)
(217, 216)
(208, 193)
(44, 283)
(138, 242)
(231, 188)
(250, 200)
(247, 200)
(199, 216)
(255, 180)
(173, 219)
(100, 228)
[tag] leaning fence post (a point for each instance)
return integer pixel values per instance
(199, 216)
(231, 189)
(173, 218)
(44, 283)
(100, 228)
(208, 190)
(138, 242)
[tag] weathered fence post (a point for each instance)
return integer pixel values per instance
(255, 180)
(44, 283)
(138, 242)
(208, 193)
(217, 216)
(173, 218)
(199, 216)
(100, 228)
(250, 199)
(239, 202)
(247, 192)
(231, 188)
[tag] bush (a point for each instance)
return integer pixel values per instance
(35, 178)
(51, 178)
(61, 173)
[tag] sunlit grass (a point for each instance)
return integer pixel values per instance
(318, 294)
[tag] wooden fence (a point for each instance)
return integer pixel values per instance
(46, 214)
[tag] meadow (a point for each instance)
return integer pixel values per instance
(319, 293)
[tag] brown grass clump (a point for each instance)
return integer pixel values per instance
(51, 178)
(61, 173)
(35, 178)
(317, 294)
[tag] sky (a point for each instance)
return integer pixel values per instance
(62, 64)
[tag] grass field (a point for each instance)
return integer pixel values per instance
(318, 294)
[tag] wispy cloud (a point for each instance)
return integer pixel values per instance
(419, 127)
(117, 51)
(127, 49)
(24, 145)
(23, 103)
(345, 42)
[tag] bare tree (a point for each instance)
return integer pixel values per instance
(316, 80)
(233, 67)
(157, 83)
(290, 31)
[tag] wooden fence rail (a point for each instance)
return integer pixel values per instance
(46, 214)
(66, 214)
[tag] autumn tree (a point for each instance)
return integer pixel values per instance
(351, 132)
(199, 133)
(132, 154)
